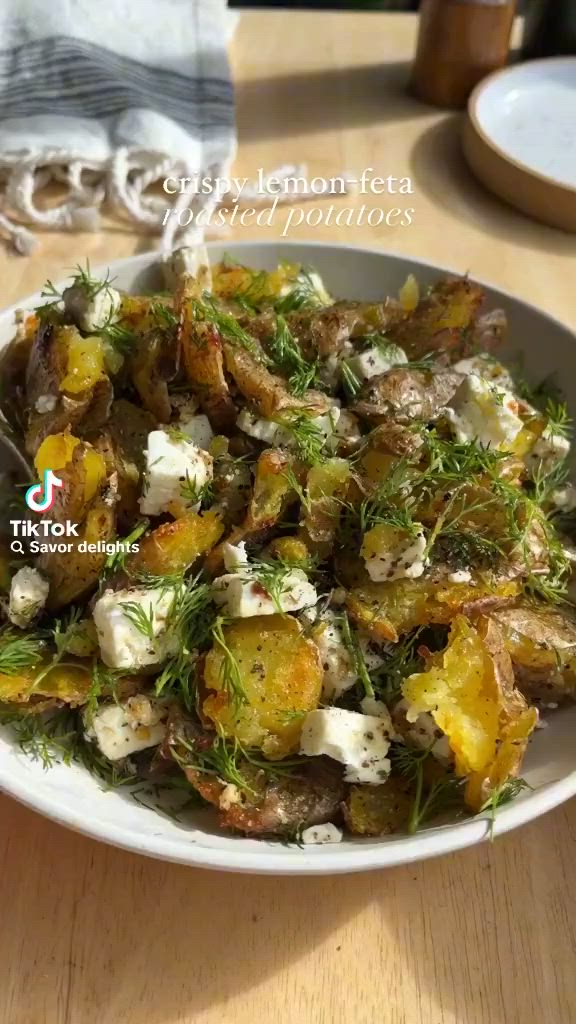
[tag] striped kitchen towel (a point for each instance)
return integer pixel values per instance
(109, 97)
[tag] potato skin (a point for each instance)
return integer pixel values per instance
(378, 810)
(403, 395)
(388, 610)
(442, 321)
(281, 676)
(173, 547)
(542, 644)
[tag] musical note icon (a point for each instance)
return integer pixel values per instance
(40, 497)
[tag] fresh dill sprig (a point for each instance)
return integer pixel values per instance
(190, 622)
(116, 562)
(123, 339)
(195, 493)
(20, 651)
(227, 325)
(230, 674)
(164, 316)
(352, 644)
(288, 359)
(400, 661)
(141, 618)
(500, 795)
(427, 803)
(351, 383)
(308, 438)
(559, 421)
(303, 295)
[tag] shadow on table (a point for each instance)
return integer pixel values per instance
(338, 98)
(120, 937)
(441, 172)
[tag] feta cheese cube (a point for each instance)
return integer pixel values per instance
(28, 595)
(45, 403)
(320, 835)
(234, 556)
(339, 671)
(198, 430)
(279, 436)
(485, 366)
(460, 576)
(549, 449)
(376, 360)
(189, 260)
(377, 709)
(91, 313)
(243, 595)
(132, 626)
(423, 732)
(173, 468)
(564, 498)
(392, 553)
(359, 742)
(484, 413)
(123, 729)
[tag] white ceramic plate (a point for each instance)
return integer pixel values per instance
(72, 797)
(529, 112)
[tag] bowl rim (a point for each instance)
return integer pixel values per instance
(474, 118)
(270, 858)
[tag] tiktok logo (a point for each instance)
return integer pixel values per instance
(40, 497)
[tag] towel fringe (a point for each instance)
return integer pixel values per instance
(122, 183)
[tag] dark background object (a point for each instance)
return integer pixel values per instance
(550, 28)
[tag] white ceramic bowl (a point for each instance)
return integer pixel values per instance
(74, 798)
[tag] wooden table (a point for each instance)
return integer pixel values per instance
(92, 935)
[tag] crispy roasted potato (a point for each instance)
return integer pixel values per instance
(326, 490)
(403, 395)
(542, 644)
(279, 679)
(469, 690)
(69, 683)
(66, 370)
(378, 810)
(442, 320)
(267, 392)
(272, 494)
(84, 499)
(203, 359)
(174, 547)
(155, 362)
(388, 610)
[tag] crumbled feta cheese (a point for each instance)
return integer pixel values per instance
(423, 731)
(485, 366)
(234, 555)
(91, 313)
(335, 658)
(198, 430)
(548, 450)
(173, 468)
(391, 553)
(119, 731)
(484, 413)
(263, 430)
(229, 796)
(279, 436)
(28, 594)
(243, 595)
(320, 835)
(564, 498)
(377, 709)
(460, 576)
(359, 742)
(126, 643)
(190, 260)
(375, 360)
(45, 403)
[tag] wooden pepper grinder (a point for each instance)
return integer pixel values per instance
(459, 43)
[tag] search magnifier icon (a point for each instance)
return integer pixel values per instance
(17, 547)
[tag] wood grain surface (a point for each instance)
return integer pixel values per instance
(93, 935)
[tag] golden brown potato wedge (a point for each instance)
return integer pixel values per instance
(442, 321)
(403, 395)
(280, 678)
(387, 610)
(203, 359)
(542, 644)
(174, 547)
